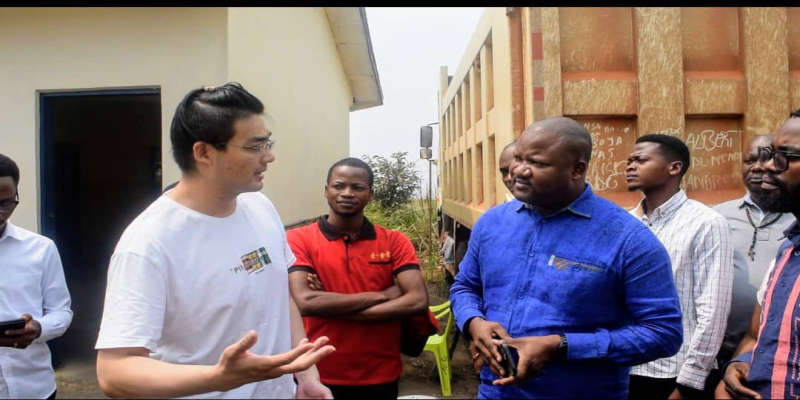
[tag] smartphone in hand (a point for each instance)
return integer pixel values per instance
(11, 325)
(509, 361)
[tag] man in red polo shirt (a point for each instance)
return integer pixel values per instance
(370, 279)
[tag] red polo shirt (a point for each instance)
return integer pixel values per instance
(367, 353)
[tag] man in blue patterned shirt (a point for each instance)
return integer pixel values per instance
(766, 365)
(577, 286)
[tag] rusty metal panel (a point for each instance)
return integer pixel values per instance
(715, 170)
(710, 38)
(612, 141)
(793, 35)
(715, 77)
(582, 49)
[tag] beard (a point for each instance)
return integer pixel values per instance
(344, 213)
(782, 200)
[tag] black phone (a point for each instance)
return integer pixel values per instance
(510, 360)
(11, 325)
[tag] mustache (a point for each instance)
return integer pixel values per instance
(773, 178)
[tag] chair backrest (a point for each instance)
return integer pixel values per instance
(440, 311)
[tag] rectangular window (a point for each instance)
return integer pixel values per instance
(491, 163)
(462, 196)
(453, 122)
(487, 74)
(479, 173)
(445, 181)
(446, 130)
(467, 103)
(469, 176)
(453, 183)
(476, 90)
(459, 114)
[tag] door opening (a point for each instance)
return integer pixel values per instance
(100, 155)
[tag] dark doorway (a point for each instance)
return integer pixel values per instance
(100, 158)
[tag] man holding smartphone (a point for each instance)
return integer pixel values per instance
(34, 300)
(575, 284)
(197, 301)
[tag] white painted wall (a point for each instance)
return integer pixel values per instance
(285, 56)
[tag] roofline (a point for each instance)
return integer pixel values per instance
(363, 12)
(365, 87)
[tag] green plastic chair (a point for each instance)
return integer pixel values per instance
(437, 344)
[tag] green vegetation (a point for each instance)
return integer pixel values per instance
(396, 180)
(394, 207)
(412, 219)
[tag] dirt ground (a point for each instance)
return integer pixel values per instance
(420, 376)
(76, 377)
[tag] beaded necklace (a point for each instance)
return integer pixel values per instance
(752, 252)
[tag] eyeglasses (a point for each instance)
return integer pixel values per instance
(781, 158)
(10, 202)
(261, 148)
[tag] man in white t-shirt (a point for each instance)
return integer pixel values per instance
(197, 302)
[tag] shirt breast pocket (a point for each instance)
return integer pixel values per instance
(379, 274)
(575, 285)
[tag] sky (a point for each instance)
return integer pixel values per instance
(410, 45)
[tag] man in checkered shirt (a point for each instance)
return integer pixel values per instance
(698, 241)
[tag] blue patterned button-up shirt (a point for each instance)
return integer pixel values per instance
(591, 271)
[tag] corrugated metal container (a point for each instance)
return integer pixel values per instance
(715, 77)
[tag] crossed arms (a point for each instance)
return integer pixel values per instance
(408, 296)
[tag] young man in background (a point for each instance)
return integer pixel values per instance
(343, 281)
(699, 244)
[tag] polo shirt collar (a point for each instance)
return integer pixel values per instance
(793, 233)
(748, 201)
(332, 233)
(11, 231)
(582, 206)
(668, 208)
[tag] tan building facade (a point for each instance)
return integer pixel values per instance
(715, 77)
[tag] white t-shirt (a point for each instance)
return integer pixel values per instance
(186, 285)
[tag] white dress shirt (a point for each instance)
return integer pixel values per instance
(33, 283)
(699, 245)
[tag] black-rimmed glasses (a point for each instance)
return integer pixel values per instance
(10, 202)
(261, 148)
(781, 158)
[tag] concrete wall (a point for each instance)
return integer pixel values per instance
(80, 49)
(288, 57)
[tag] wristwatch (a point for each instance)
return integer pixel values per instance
(562, 350)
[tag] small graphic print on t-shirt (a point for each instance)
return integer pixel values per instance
(380, 256)
(383, 257)
(254, 261)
